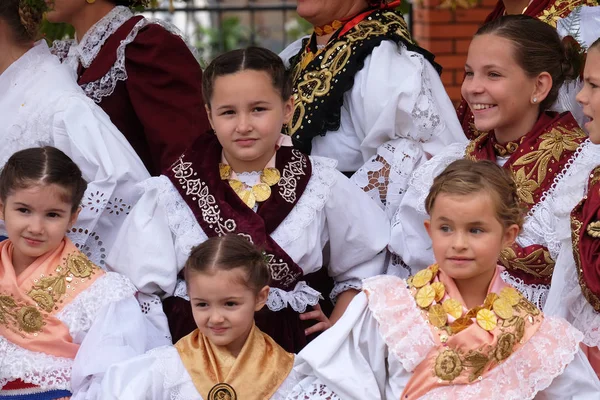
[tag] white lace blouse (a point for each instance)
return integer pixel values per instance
(398, 110)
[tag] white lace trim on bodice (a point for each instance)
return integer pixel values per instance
(33, 367)
(390, 301)
(537, 294)
(548, 222)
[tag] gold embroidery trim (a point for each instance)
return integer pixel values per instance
(561, 9)
(20, 317)
(48, 291)
(528, 264)
(314, 86)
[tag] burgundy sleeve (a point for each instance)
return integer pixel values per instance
(164, 84)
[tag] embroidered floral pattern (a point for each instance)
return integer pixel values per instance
(561, 9)
(211, 212)
(48, 291)
(291, 174)
(19, 317)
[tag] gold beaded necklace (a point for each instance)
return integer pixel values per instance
(258, 192)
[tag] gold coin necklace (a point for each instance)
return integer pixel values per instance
(258, 192)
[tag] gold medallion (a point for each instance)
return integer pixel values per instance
(222, 391)
(270, 176)
(425, 296)
(261, 191)
(503, 309)
(434, 269)
(224, 171)
(453, 307)
(440, 290)
(511, 295)
(487, 319)
(245, 194)
(437, 315)
(460, 324)
(422, 278)
(489, 300)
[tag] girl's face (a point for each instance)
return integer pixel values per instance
(467, 236)
(247, 114)
(224, 306)
(37, 219)
(589, 96)
(497, 89)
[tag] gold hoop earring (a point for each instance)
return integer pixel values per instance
(90, 1)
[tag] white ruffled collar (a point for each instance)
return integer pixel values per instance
(86, 50)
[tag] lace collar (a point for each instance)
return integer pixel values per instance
(88, 48)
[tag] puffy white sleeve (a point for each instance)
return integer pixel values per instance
(577, 382)
(349, 360)
(156, 375)
(107, 322)
(358, 233)
(402, 116)
(156, 238)
(409, 242)
(110, 166)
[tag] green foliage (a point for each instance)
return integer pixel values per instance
(54, 32)
(213, 41)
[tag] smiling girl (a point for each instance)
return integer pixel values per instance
(227, 356)
(515, 67)
(455, 330)
(244, 179)
(63, 320)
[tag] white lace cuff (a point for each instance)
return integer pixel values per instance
(341, 287)
(181, 290)
(299, 298)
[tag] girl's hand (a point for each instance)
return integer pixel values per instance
(317, 314)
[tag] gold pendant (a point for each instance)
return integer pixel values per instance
(270, 176)
(261, 191)
(437, 316)
(486, 319)
(440, 290)
(425, 296)
(224, 171)
(503, 309)
(243, 193)
(422, 278)
(453, 307)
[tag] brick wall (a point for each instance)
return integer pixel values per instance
(447, 34)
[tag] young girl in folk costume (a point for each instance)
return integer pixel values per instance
(455, 330)
(244, 180)
(515, 67)
(572, 229)
(227, 356)
(570, 17)
(63, 320)
(141, 72)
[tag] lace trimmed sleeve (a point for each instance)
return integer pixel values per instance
(403, 128)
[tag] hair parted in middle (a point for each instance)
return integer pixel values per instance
(43, 166)
(465, 177)
(538, 48)
(227, 253)
(251, 58)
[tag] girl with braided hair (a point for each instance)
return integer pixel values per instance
(140, 72)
